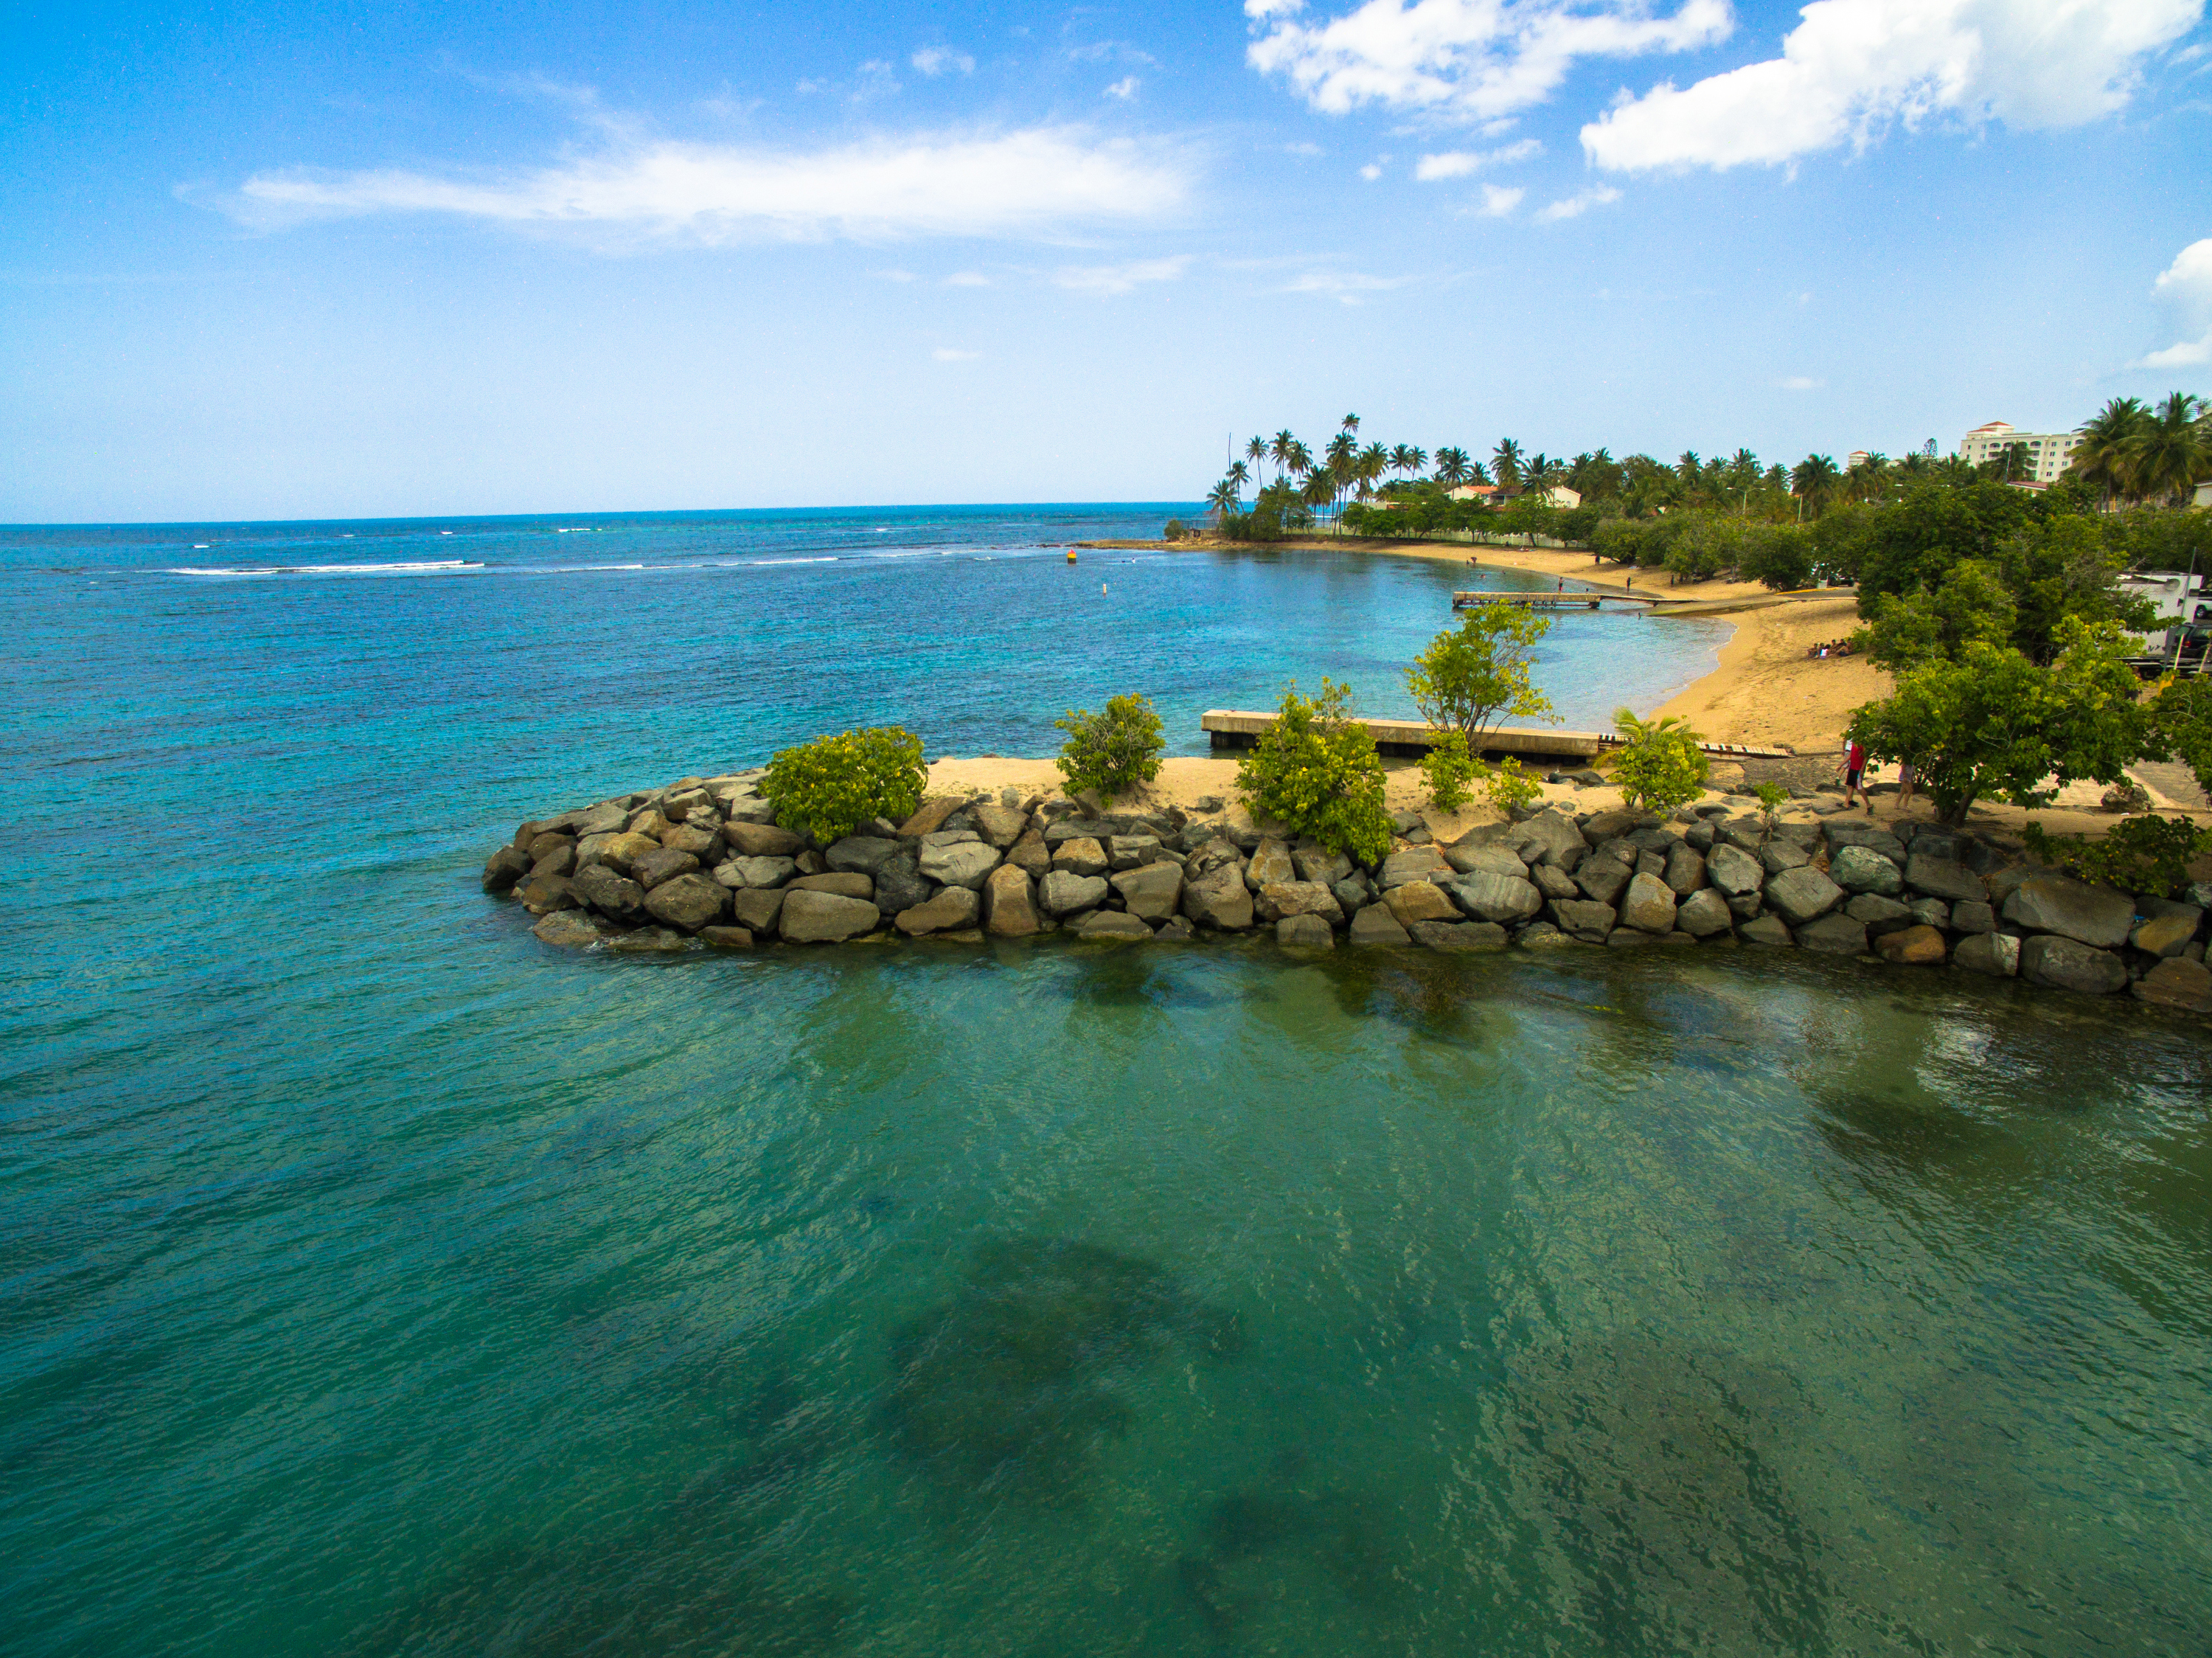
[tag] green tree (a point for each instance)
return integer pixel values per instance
(1505, 464)
(1973, 604)
(2173, 450)
(1256, 455)
(1992, 722)
(1451, 467)
(1814, 481)
(2104, 458)
(1659, 765)
(1480, 671)
(1316, 771)
(1113, 750)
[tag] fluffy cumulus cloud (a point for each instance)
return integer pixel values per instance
(1104, 281)
(1573, 207)
(1034, 183)
(1499, 201)
(2187, 285)
(1467, 59)
(1851, 67)
(1458, 163)
(939, 60)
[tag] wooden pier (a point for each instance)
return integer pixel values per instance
(1240, 727)
(1534, 601)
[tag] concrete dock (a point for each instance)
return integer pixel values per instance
(1239, 728)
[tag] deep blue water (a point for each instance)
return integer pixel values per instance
(375, 1280)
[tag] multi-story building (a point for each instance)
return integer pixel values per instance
(2048, 452)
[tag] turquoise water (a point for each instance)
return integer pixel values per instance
(378, 1281)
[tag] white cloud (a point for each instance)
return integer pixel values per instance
(1371, 171)
(1124, 88)
(1799, 383)
(2187, 284)
(1301, 149)
(1458, 163)
(1346, 287)
(1573, 207)
(1853, 66)
(1471, 59)
(935, 60)
(1032, 183)
(967, 279)
(946, 354)
(1498, 201)
(1102, 280)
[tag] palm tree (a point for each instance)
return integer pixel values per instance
(2171, 452)
(1368, 467)
(1685, 468)
(1256, 453)
(1223, 498)
(1302, 461)
(1505, 463)
(1539, 472)
(1401, 458)
(2105, 458)
(1350, 427)
(1280, 448)
(1319, 490)
(1239, 477)
(1419, 456)
(1451, 467)
(1813, 480)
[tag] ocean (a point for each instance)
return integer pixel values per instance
(375, 1280)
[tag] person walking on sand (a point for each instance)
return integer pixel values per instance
(1905, 779)
(1853, 769)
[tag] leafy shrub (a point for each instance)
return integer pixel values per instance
(1478, 670)
(1771, 797)
(1114, 749)
(1316, 771)
(1660, 766)
(1509, 786)
(1778, 555)
(1175, 531)
(833, 784)
(1577, 523)
(1620, 540)
(2148, 854)
(1450, 769)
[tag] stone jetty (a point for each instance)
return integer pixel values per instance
(703, 862)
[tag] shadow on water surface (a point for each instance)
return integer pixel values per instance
(1012, 1385)
(1289, 1558)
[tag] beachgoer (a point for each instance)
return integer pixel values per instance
(1905, 782)
(1854, 769)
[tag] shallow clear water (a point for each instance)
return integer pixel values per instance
(376, 1281)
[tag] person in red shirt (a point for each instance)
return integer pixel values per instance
(1853, 769)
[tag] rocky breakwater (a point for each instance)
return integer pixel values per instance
(704, 862)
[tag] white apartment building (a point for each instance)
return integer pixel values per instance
(2048, 452)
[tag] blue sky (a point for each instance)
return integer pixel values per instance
(264, 261)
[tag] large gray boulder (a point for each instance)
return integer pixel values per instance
(1271, 861)
(542, 894)
(572, 930)
(962, 863)
(1305, 932)
(761, 840)
(1833, 934)
(1063, 893)
(1843, 832)
(1944, 878)
(654, 867)
(604, 819)
(1315, 861)
(757, 908)
(953, 908)
(1703, 913)
(1375, 925)
(702, 842)
(862, 854)
(2174, 983)
(1550, 838)
(756, 871)
(1486, 857)
(929, 817)
(1879, 915)
(1589, 921)
(2048, 902)
(1600, 879)
(1801, 896)
(1862, 869)
(899, 883)
(1971, 916)
(1152, 891)
(1734, 870)
(1488, 896)
(999, 825)
(1219, 899)
(690, 901)
(826, 918)
(1647, 905)
(1995, 954)
(1132, 852)
(1459, 934)
(1113, 924)
(850, 883)
(1414, 863)
(1622, 821)
(1686, 869)
(619, 851)
(609, 894)
(504, 868)
(1552, 881)
(2168, 930)
(1079, 854)
(1419, 900)
(1765, 929)
(1779, 856)
(1278, 899)
(1009, 905)
(2070, 965)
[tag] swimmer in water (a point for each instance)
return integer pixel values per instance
(1101, 589)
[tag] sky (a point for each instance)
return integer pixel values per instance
(264, 261)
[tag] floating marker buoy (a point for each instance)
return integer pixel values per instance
(1071, 554)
